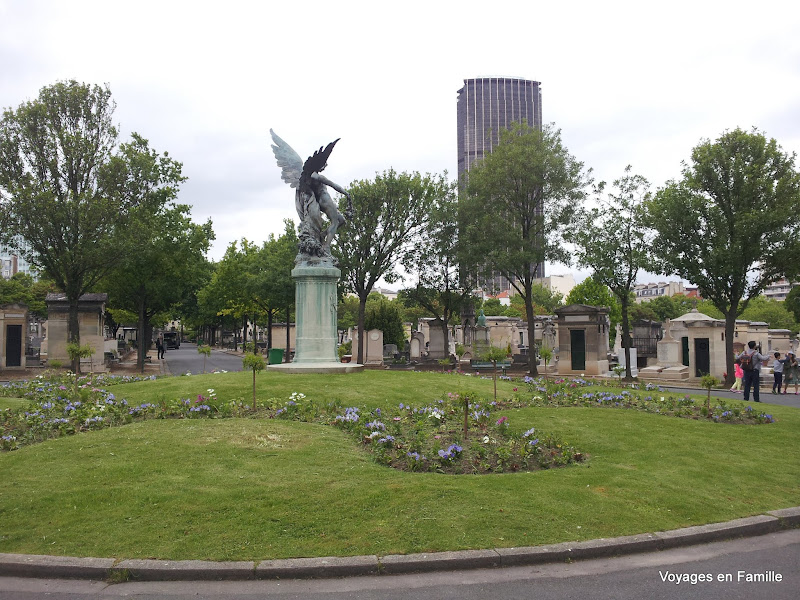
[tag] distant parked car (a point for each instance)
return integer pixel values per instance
(172, 340)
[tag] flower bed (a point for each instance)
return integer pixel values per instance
(453, 435)
(572, 393)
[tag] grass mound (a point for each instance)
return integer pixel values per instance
(225, 483)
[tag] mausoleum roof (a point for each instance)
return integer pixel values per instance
(693, 316)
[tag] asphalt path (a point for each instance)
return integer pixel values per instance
(765, 395)
(187, 359)
(720, 571)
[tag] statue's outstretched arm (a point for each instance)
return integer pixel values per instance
(322, 179)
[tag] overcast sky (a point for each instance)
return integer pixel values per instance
(637, 83)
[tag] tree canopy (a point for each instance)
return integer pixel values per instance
(389, 213)
(592, 292)
(70, 193)
(724, 226)
(518, 202)
(166, 267)
(443, 285)
(613, 240)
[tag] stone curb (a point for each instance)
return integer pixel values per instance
(65, 567)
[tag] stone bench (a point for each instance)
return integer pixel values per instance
(501, 364)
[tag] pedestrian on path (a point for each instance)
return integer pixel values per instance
(777, 373)
(751, 361)
(791, 372)
(738, 373)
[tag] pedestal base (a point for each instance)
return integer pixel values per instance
(315, 310)
(319, 367)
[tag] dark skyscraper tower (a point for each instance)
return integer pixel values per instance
(485, 106)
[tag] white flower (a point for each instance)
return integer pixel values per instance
(486, 439)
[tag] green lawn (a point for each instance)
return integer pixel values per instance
(251, 489)
(11, 402)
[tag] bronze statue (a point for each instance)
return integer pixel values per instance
(312, 198)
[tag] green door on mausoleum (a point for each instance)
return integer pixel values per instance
(685, 348)
(13, 345)
(577, 343)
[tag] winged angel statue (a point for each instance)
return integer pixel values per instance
(312, 198)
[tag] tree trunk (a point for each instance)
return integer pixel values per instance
(445, 337)
(362, 310)
(626, 338)
(533, 368)
(730, 332)
(270, 318)
(141, 335)
(73, 333)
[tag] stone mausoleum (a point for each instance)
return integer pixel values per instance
(91, 324)
(583, 333)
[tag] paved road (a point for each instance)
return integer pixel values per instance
(651, 576)
(766, 397)
(186, 359)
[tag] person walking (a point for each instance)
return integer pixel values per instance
(750, 361)
(160, 347)
(738, 373)
(777, 373)
(791, 372)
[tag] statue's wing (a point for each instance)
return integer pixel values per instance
(319, 160)
(288, 160)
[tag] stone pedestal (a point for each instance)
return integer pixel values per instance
(315, 310)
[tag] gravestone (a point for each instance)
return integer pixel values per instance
(436, 345)
(417, 345)
(373, 347)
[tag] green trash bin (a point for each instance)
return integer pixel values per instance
(275, 356)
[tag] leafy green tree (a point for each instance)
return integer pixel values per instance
(16, 290)
(707, 308)
(594, 293)
(225, 293)
(347, 312)
(254, 362)
(545, 301)
(384, 314)
(665, 307)
(642, 312)
(492, 307)
(411, 311)
(269, 278)
(493, 354)
(614, 241)
(68, 194)
(252, 280)
(162, 271)
(773, 312)
(519, 200)
(443, 285)
(389, 213)
(792, 302)
(724, 225)
(205, 350)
